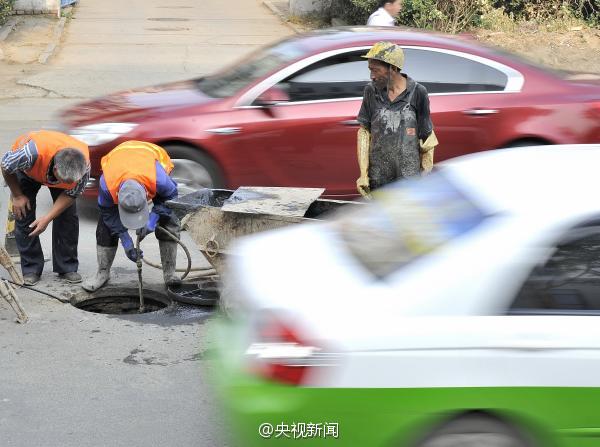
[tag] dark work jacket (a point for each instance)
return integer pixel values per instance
(395, 128)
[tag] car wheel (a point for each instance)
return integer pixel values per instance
(193, 169)
(476, 431)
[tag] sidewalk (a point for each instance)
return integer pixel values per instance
(150, 42)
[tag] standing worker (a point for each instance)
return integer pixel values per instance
(61, 163)
(386, 13)
(396, 138)
(133, 173)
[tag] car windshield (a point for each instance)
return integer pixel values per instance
(407, 220)
(245, 72)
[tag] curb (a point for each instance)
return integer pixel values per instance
(53, 44)
(282, 16)
(7, 28)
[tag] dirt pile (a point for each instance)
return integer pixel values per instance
(576, 49)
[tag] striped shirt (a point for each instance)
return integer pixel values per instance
(25, 157)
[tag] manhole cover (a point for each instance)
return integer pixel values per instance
(169, 19)
(118, 301)
(201, 293)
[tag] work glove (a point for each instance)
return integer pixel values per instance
(129, 248)
(150, 226)
(362, 185)
(363, 147)
(426, 162)
(427, 149)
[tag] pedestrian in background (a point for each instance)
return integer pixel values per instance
(61, 163)
(396, 138)
(386, 13)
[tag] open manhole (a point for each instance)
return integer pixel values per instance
(120, 301)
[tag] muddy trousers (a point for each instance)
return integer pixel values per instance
(105, 239)
(65, 234)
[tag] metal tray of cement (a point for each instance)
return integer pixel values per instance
(297, 204)
(215, 217)
(202, 293)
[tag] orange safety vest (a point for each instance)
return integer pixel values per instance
(134, 160)
(48, 143)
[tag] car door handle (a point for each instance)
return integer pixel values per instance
(225, 130)
(350, 123)
(480, 112)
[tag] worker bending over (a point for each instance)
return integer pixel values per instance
(133, 173)
(61, 163)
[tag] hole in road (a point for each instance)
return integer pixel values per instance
(121, 305)
(120, 302)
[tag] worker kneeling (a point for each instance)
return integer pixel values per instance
(134, 173)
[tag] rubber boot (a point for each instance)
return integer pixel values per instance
(168, 258)
(106, 256)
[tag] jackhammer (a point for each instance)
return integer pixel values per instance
(139, 271)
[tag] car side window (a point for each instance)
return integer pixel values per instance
(441, 72)
(341, 76)
(569, 282)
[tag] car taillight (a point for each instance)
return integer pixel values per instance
(282, 355)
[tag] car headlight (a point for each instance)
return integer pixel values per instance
(97, 134)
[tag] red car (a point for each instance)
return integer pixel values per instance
(286, 114)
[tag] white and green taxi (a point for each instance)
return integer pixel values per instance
(460, 309)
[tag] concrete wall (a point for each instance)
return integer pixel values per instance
(36, 6)
(304, 7)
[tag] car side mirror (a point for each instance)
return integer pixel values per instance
(270, 98)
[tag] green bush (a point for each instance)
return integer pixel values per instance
(449, 16)
(498, 20)
(420, 13)
(5, 10)
(588, 10)
(353, 12)
(457, 15)
(440, 15)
